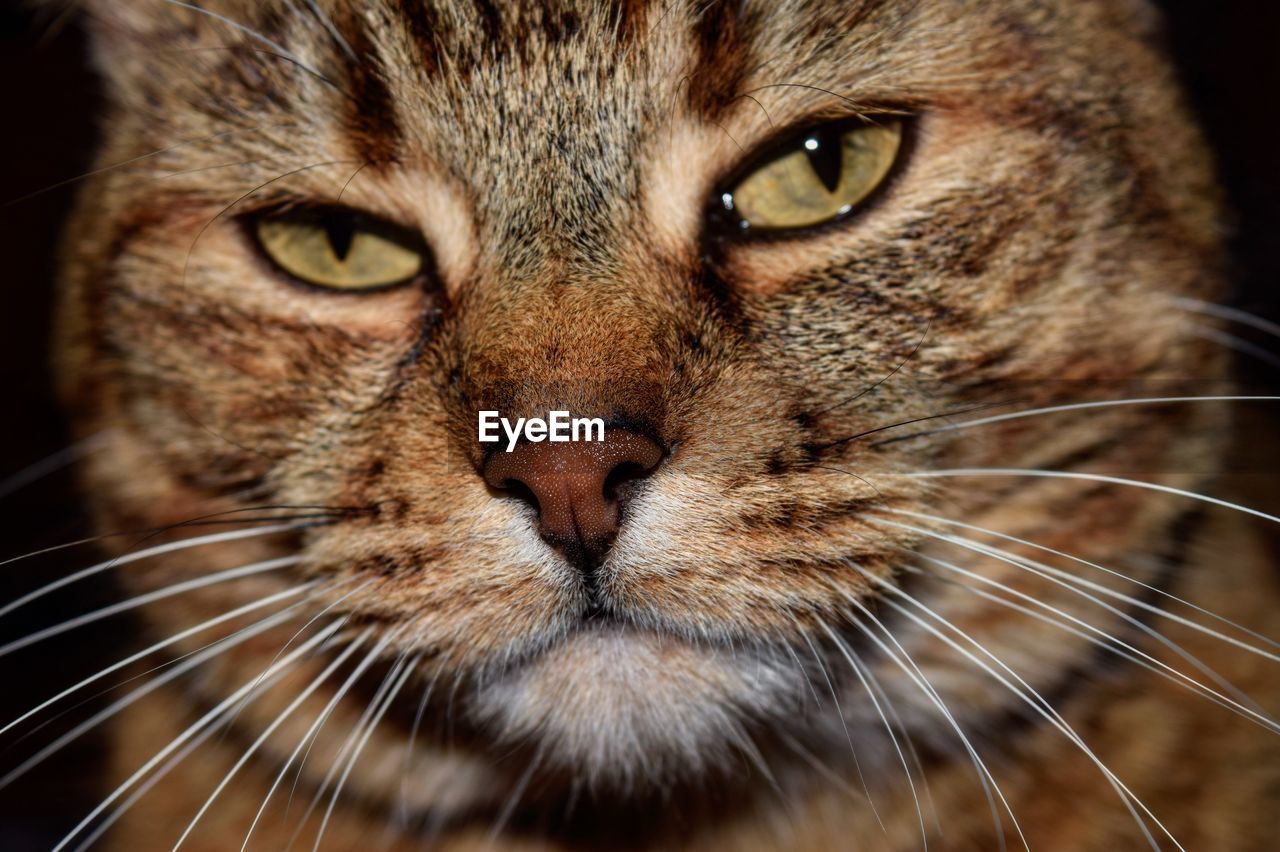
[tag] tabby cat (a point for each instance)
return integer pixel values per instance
(899, 536)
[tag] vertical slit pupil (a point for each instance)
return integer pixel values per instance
(826, 155)
(342, 233)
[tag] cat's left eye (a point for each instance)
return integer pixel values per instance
(339, 249)
(815, 177)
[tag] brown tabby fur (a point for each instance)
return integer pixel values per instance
(559, 157)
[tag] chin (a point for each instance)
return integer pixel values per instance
(623, 709)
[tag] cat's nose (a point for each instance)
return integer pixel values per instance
(577, 487)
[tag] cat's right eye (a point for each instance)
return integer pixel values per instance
(339, 249)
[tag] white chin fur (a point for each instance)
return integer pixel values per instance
(625, 708)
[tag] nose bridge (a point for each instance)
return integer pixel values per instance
(586, 344)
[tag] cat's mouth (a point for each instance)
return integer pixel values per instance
(599, 622)
(595, 616)
(595, 623)
(613, 700)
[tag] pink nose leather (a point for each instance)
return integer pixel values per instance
(574, 485)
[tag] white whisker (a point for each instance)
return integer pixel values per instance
(1226, 313)
(1135, 601)
(164, 643)
(1105, 643)
(918, 678)
(216, 538)
(327, 23)
(1238, 344)
(1075, 406)
(313, 731)
(912, 754)
(853, 752)
(193, 729)
(857, 667)
(51, 464)
(200, 657)
(150, 597)
(1091, 477)
(399, 682)
(403, 804)
(288, 711)
(153, 779)
(119, 165)
(512, 801)
(1174, 674)
(319, 615)
(253, 34)
(1045, 572)
(1040, 705)
(346, 748)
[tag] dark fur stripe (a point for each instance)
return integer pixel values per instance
(372, 120)
(721, 35)
(424, 27)
(631, 20)
(490, 19)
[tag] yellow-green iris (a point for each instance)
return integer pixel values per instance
(338, 252)
(822, 176)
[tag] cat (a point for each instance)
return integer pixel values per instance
(899, 536)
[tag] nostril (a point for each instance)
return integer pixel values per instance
(576, 487)
(622, 475)
(516, 488)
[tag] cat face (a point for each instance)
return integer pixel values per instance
(343, 237)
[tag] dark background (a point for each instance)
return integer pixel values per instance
(1227, 52)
